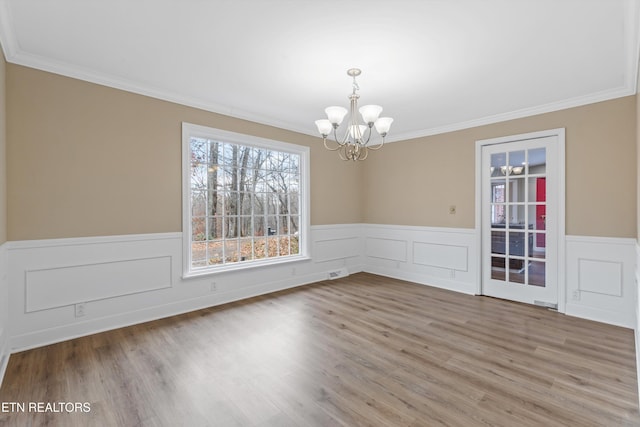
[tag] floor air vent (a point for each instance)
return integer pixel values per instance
(336, 274)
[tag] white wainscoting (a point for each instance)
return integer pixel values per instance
(600, 279)
(4, 312)
(440, 257)
(123, 280)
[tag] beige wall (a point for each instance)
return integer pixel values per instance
(414, 182)
(87, 160)
(3, 157)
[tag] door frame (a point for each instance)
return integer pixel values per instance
(560, 134)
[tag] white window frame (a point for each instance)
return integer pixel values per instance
(192, 130)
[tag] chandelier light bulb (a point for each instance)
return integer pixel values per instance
(383, 124)
(324, 127)
(357, 132)
(336, 114)
(370, 113)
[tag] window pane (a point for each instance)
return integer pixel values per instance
(498, 191)
(498, 162)
(539, 244)
(259, 203)
(516, 272)
(260, 248)
(244, 226)
(294, 223)
(295, 245)
(231, 227)
(284, 245)
(515, 215)
(199, 176)
(498, 242)
(517, 190)
(283, 224)
(259, 226)
(246, 249)
(198, 229)
(537, 273)
(294, 204)
(245, 201)
(214, 253)
(272, 204)
(214, 227)
(537, 161)
(272, 225)
(516, 163)
(199, 254)
(231, 251)
(272, 246)
(497, 268)
(215, 203)
(518, 243)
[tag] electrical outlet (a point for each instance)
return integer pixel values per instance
(576, 295)
(452, 210)
(80, 309)
(214, 287)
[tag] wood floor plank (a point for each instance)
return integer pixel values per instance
(363, 350)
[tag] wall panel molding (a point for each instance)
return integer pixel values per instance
(49, 288)
(434, 256)
(601, 279)
(123, 280)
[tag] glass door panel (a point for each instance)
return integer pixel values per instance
(517, 216)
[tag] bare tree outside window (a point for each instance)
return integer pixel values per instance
(245, 202)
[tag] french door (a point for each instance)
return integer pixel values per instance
(520, 213)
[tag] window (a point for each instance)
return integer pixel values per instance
(245, 200)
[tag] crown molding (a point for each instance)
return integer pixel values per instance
(32, 61)
(519, 114)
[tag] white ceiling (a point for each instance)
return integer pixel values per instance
(434, 65)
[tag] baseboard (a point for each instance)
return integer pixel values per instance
(598, 315)
(436, 282)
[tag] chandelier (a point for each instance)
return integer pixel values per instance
(354, 143)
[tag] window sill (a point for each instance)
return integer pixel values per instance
(241, 266)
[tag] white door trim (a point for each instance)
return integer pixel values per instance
(560, 134)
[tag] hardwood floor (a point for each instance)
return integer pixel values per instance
(363, 350)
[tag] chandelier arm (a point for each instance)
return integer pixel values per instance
(345, 138)
(368, 135)
(376, 147)
(343, 153)
(324, 140)
(364, 154)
